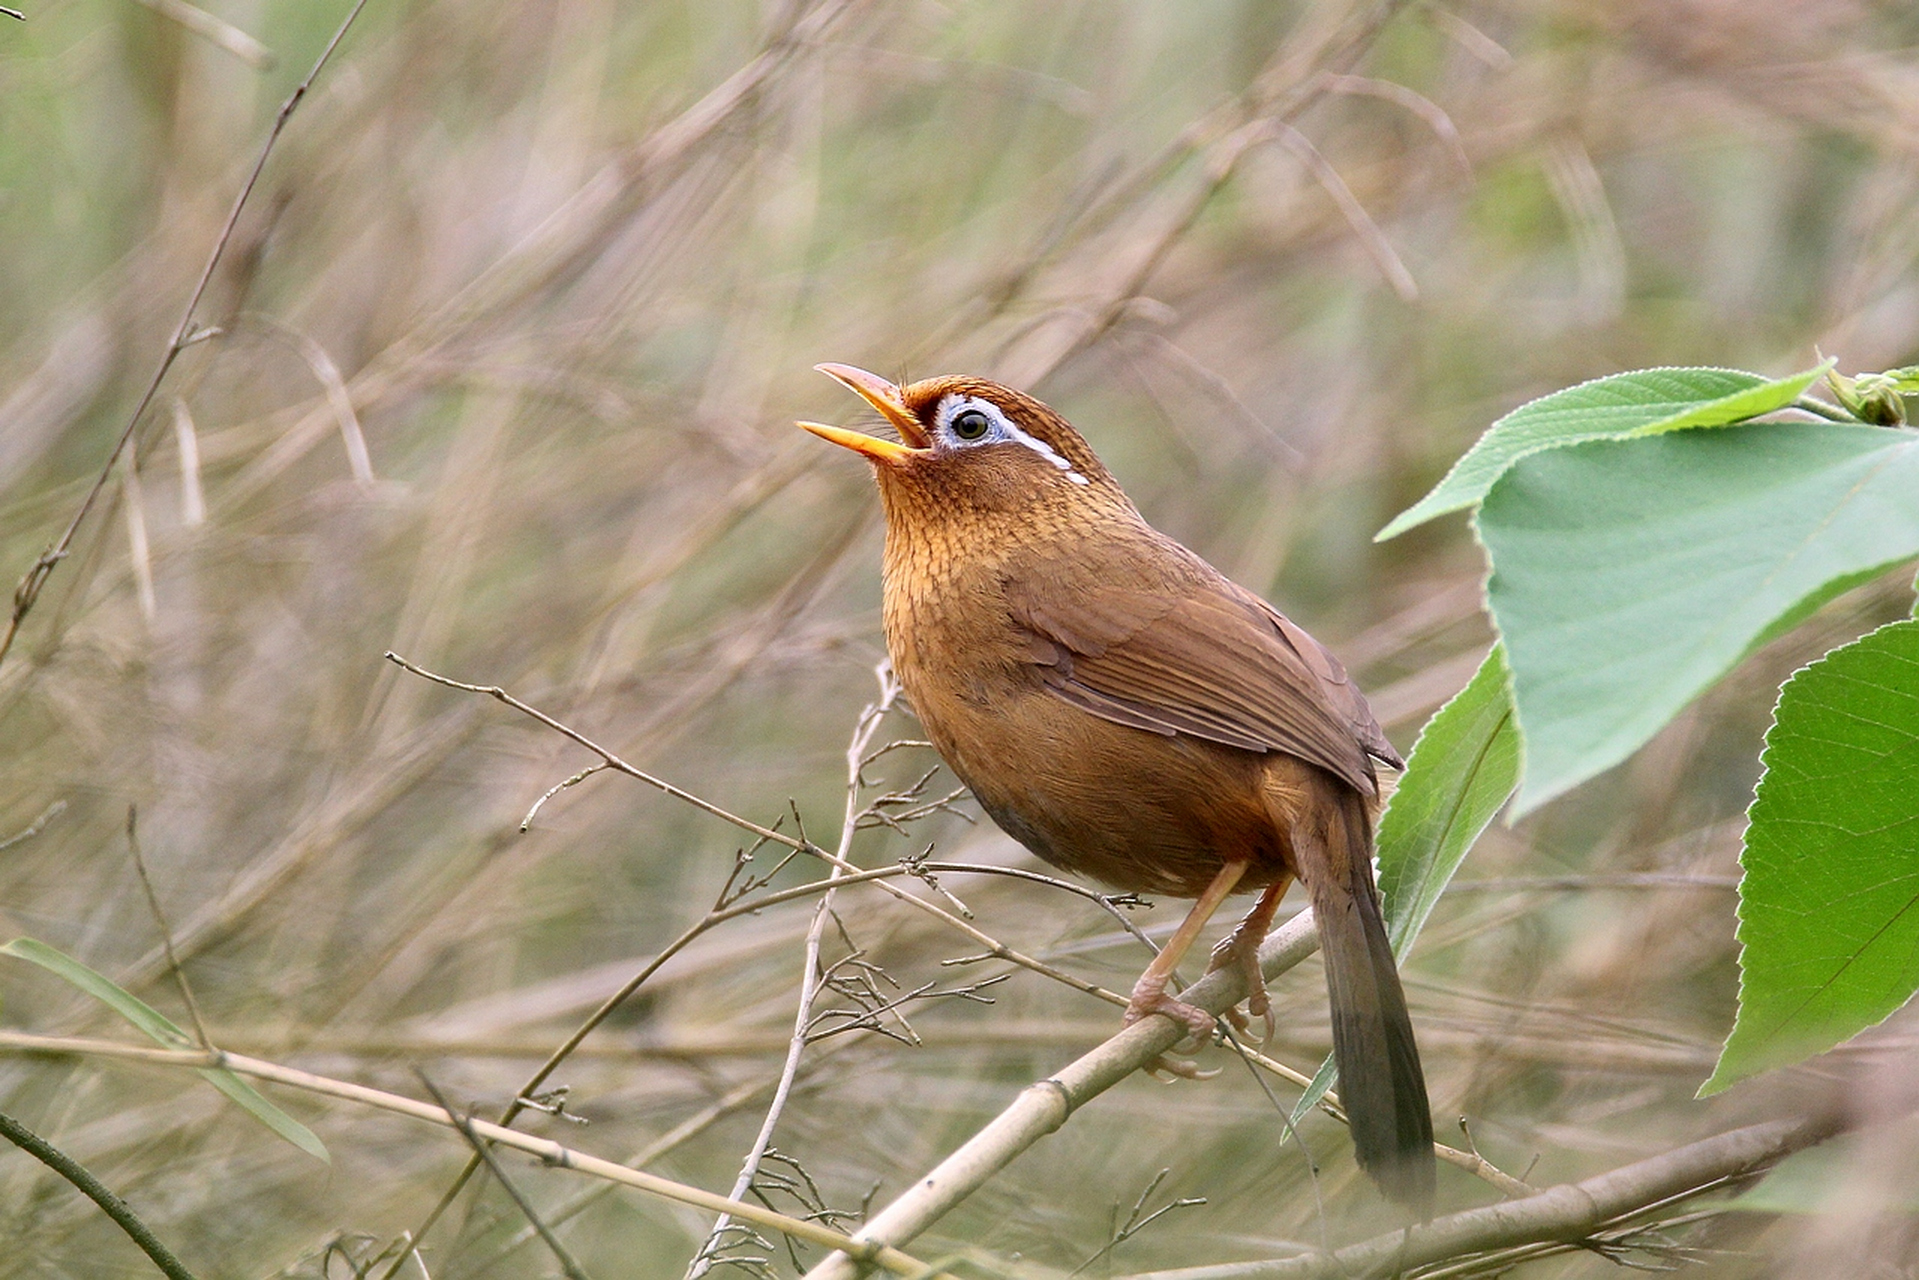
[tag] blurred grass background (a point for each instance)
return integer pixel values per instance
(570, 262)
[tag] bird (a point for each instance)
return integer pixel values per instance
(1130, 714)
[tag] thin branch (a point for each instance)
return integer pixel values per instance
(1365, 230)
(715, 916)
(687, 1129)
(1570, 1212)
(34, 828)
(552, 1063)
(549, 1152)
(1479, 1166)
(28, 591)
(810, 975)
(1107, 902)
(1615, 1244)
(612, 761)
(568, 1263)
(527, 822)
(1138, 1220)
(166, 931)
(695, 1049)
(91, 1187)
(994, 948)
(632, 985)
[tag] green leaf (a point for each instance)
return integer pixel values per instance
(1629, 576)
(163, 1031)
(1324, 1080)
(266, 1113)
(1462, 769)
(1829, 904)
(1623, 406)
(155, 1024)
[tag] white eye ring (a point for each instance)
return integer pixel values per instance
(965, 420)
(998, 428)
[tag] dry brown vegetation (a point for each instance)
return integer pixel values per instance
(511, 337)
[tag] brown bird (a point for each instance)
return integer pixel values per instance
(1125, 711)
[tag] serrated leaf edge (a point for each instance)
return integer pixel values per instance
(1404, 521)
(1719, 1081)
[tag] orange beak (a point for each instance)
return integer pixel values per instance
(883, 396)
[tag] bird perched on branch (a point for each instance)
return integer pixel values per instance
(1126, 712)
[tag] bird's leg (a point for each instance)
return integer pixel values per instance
(1149, 993)
(1241, 949)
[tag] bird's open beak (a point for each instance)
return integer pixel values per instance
(883, 396)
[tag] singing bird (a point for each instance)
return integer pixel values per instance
(1126, 712)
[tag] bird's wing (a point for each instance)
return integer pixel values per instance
(1205, 658)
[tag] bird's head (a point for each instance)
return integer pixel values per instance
(972, 444)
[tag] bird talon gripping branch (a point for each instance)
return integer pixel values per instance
(1125, 711)
(1168, 1069)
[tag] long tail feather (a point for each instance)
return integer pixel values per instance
(1380, 1081)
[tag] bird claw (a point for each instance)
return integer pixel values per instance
(1268, 1020)
(1258, 1005)
(1235, 952)
(1150, 999)
(1199, 1024)
(1166, 1069)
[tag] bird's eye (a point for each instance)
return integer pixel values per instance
(971, 424)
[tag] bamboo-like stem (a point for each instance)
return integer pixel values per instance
(1570, 1212)
(1044, 1106)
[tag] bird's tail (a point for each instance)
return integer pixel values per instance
(1380, 1081)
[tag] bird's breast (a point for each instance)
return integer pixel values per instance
(947, 626)
(1139, 810)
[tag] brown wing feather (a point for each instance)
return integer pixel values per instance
(1207, 658)
(1339, 688)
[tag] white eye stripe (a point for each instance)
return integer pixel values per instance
(1045, 451)
(951, 407)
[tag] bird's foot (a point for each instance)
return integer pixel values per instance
(1240, 951)
(1150, 998)
(1166, 1068)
